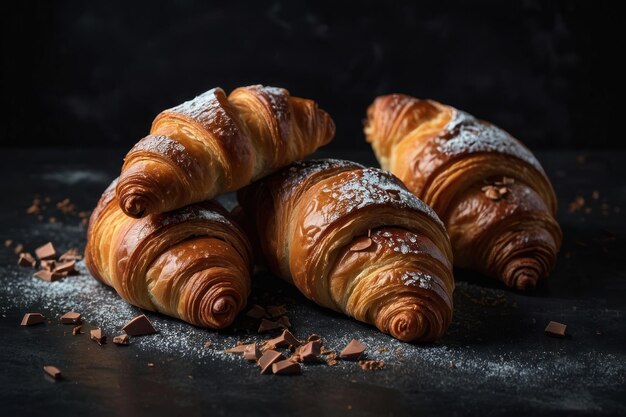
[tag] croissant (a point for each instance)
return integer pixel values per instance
(215, 144)
(192, 263)
(355, 240)
(486, 186)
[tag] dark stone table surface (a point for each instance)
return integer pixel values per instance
(494, 360)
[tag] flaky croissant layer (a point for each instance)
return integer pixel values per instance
(487, 187)
(193, 263)
(215, 143)
(354, 239)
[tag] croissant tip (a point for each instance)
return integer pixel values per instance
(134, 206)
(223, 305)
(525, 280)
(406, 326)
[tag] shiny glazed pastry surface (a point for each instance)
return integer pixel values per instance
(487, 187)
(216, 143)
(355, 240)
(193, 263)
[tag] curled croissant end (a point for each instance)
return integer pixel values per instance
(523, 273)
(218, 307)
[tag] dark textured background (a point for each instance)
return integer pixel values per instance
(96, 73)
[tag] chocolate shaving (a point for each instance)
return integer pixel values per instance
(26, 259)
(97, 336)
(30, 319)
(139, 326)
(122, 339)
(353, 350)
(555, 329)
(52, 371)
(268, 359)
(46, 251)
(286, 367)
(71, 318)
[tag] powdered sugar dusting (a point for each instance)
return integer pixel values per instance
(208, 110)
(165, 146)
(465, 134)
(372, 186)
(298, 171)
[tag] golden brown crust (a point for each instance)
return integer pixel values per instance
(446, 157)
(193, 263)
(214, 144)
(355, 240)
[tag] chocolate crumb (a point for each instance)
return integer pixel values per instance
(19, 248)
(52, 371)
(139, 326)
(76, 330)
(150, 365)
(8, 242)
(370, 365)
(30, 319)
(207, 344)
(555, 329)
(331, 359)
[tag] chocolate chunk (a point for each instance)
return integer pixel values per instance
(555, 329)
(285, 340)
(139, 326)
(267, 325)
(121, 339)
(310, 351)
(286, 367)
(30, 319)
(252, 352)
(98, 336)
(26, 259)
(331, 359)
(284, 322)
(49, 276)
(67, 267)
(76, 330)
(353, 350)
(70, 318)
(276, 311)
(49, 265)
(256, 312)
(46, 251)
(52, 371)
(240, 348)
(361, 243)
(70, 255)
(314, 337)
(269, 358)
(370, 365)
